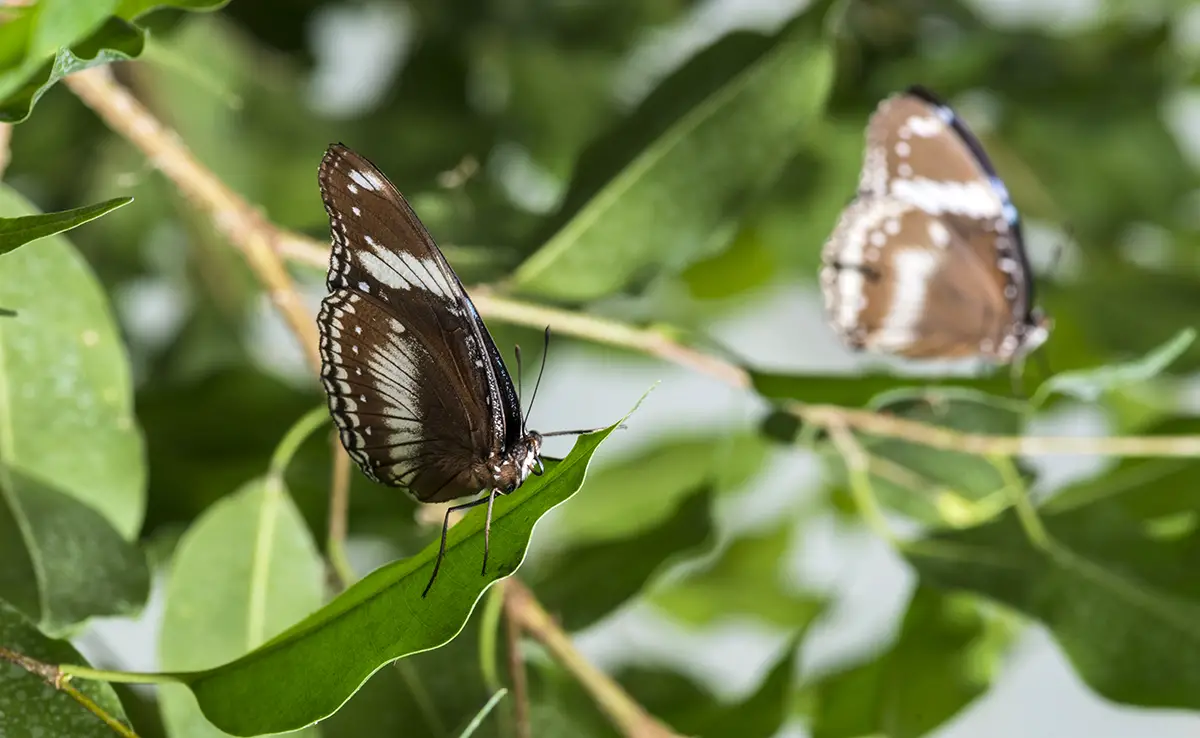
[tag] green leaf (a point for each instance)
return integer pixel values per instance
(21, 88)
(585, 583)
(16, 232)
(745, 581)
(1122, 602)
(245, 571)
(676, 200)
(1089, 384)
(674, 469)
(693, 711)
(932, 485)
(946, 655)
(29, 706)
(306, 673)
(133, 9)
(66, 407)
(63, 562)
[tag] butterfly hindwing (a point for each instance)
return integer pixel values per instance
(415, 384)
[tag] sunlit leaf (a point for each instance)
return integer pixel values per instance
(311, 669)
(244, 572)
(29, 706)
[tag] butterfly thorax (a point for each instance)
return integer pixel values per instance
(508, 470)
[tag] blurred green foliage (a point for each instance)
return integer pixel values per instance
(648, 161)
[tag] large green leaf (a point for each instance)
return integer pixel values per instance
(1122, 601)
(16, 232)
(945, 656)
(745, 581)
(66, 410)
(245, 571)
(851, 390)
(306, 673)
(585, 583)
(674, 202)
(63, 562)
(29, 706)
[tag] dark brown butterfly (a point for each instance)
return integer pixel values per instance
(418, 391)
(928, 260)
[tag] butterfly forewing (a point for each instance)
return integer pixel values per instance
(415, 383)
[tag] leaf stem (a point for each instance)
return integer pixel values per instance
(625, 714)
(1031, 522)
(297, 435)
(858, 470)
(479, 716)
(57, 678)
(120, 677)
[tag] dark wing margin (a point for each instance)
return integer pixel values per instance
(412, 375)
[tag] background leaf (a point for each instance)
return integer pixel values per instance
(29, 706)
(242, 574)
(1087, 385)
(688, 186)
(944, 658)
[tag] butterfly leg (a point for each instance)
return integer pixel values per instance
(437, 563)
(487, 530)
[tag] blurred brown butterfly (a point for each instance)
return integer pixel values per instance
(928, 260)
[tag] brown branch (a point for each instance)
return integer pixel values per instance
(233, 217)
(516, 667)
(55, 679)
(6, 130)
(626, 714)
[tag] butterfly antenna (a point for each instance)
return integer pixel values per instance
(538, 383)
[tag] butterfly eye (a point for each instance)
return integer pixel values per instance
(510, 487)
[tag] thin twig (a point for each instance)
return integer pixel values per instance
(858, 471)
(339, 512)
(626, 714)
(516, 666)
(55, 679)
(6, 130)
(233, 217)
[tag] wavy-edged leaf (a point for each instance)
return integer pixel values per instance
(19, 231)
(1089, 384)
(306, 673)
(29, 706)
(946, 655)
(66, 400)
(245, 571)
(21, 88)
(1122, 602)
(585, 583)
(745, 581)
(62, 562)
(675, 200)
(855, 390)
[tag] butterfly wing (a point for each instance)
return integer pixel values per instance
(416, 386)
(899, 280)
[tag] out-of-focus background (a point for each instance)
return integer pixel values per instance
(479, 111)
